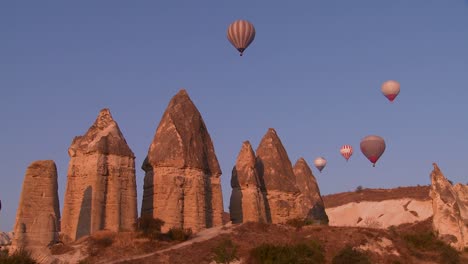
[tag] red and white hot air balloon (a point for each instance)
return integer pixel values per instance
(346, 151)
(391, 89)
(241, 33)
(373, 147)
(320, 163)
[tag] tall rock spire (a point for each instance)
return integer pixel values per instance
(312, 203)
(182, 175)
(450, 207)
(247, 200)
(101, 184)
(38, 215)
(277, 179)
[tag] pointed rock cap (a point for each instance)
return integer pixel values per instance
(246, 157)
(104, 137)
(182, 139)
(244, 173)
(273, 164)
(305, 179)
(440, 185)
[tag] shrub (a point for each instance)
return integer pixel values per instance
(299, 222)
(359, 189)
(427, 241)
(20, 256)
(371, 222)
(299, 253)
(348, 255)
(100, 241)
(60, 249)
(179, 234)
(149, 227)
(225, 252)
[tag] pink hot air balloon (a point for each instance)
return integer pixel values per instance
(391, 89)
(373, 147)
(346, 151)
(320, 163)
(241, 33)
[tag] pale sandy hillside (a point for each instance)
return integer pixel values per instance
(379, 208)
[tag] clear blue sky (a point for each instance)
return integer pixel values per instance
(313, 73)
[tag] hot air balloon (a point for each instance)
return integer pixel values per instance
(346, 151)
(373, 147)
(241, 33)
(391, 89)
(320, 163)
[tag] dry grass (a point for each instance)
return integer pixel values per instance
(413, 192)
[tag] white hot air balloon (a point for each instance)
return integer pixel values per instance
(391, 89)
(320, 163)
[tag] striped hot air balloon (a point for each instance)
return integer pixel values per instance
(391, 89)
(346, 151)
(241, 33)
(373, 147)
(320, 163)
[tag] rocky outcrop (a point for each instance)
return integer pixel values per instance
(5, 238)
(101, 185)
(247, 201)
(450, 208)
(182, 175)
(311, 203)
(278, 180)
(38, 215)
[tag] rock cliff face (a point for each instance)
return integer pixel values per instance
(247, 201)
(101, 185)
(278, 180)
(182, 175)
(38, 215)
(311, 203)
(450, 208)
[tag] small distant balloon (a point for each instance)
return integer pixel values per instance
(346, 151)
(391, 89)
(320, 163)
(241, 33)
(373, 147)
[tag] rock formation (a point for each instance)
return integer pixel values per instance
(311, 202)
(182, 175)
(5, 238)
(247, 201)
(101, 185)
(38, 215)
(277, 178)
(450, 208)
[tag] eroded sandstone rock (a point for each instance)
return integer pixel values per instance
(450, 208)
(38, 215)
(101, 185)
(182, 175)
(311, 201)
(247, 201)
(277, 179)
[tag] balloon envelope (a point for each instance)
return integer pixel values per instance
(391, 89)
(373, 147)
(320, 163)
(346, 151)
(241, 33)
